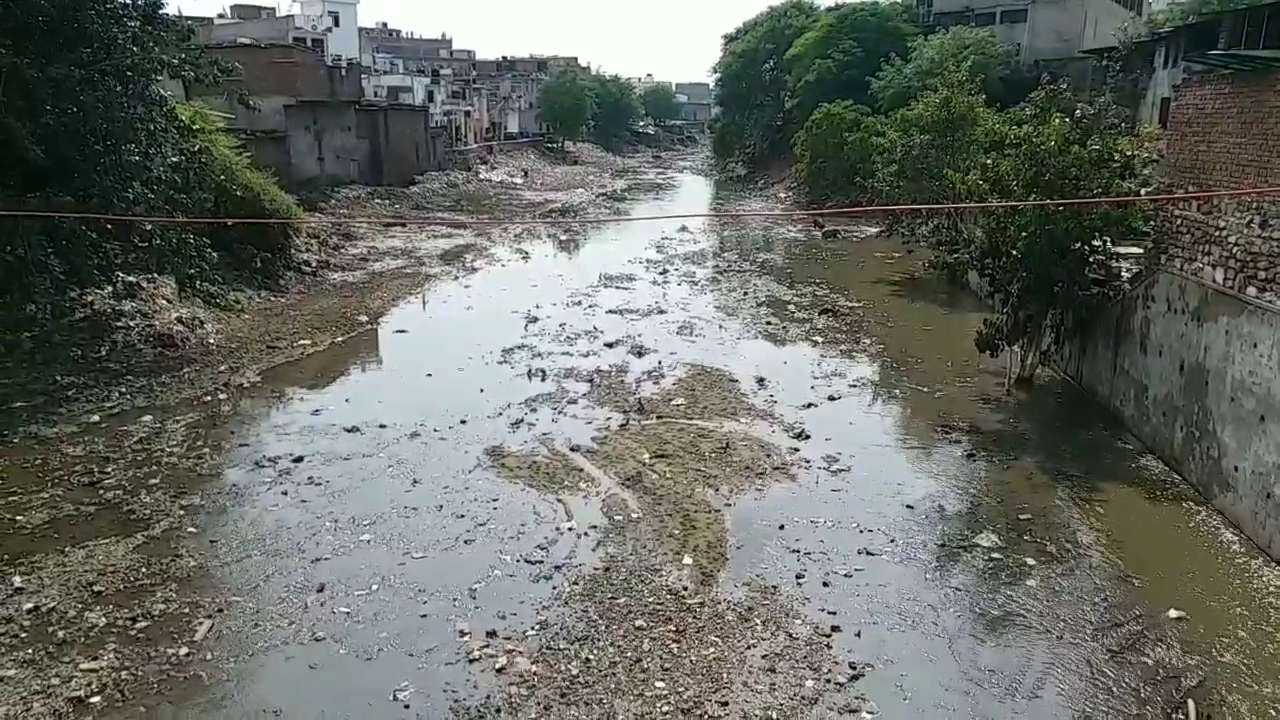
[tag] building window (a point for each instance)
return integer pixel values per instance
(984, 19)
(951, 19)
(1165, 104)
(317, 44)
(1013, 17)
(336, 18)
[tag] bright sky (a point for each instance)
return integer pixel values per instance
(675, 40)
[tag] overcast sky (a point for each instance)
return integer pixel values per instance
(676, 40)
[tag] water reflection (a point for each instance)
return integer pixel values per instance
(1096, 539)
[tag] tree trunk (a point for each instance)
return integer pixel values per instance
(1030, 354)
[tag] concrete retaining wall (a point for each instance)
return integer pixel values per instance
(1194, 372)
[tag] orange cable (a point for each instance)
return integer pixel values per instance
(868, 209)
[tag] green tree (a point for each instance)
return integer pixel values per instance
(751, 83)
(617, 109)
(660, 103)
(974, 51)
(837, 56)
(1045, 269)
(1049, 269)
(935, 147)
(836, 154)
(85, 126)
(566, 105)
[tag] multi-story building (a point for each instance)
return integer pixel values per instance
(1042, 30)
(405, 67)
(326, 26)
(512, 84)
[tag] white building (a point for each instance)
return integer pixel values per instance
(341, 20)
(1040, 29)
(326, 26)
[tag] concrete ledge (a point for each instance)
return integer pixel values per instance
(1194, 372)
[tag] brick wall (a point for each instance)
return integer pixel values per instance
(288, 71)
(1223, 134)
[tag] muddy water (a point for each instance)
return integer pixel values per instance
(445, 479)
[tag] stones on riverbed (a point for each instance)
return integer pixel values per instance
(202, 629)
(639, 351)
(988, 540)
(1175, 614)
(830, 233)
(1025, 517)
(798, 433)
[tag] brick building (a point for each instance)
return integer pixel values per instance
(1224, 134)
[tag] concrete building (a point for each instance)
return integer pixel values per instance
(305, 119)
(414, 52)
(512, 85)
(327, 27)
(428, 72)
(644, 83)
(694, 99)
(341, 18)
(1231, 40)
(695, 92)
(1042, 30)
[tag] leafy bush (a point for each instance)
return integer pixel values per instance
(660, 103)
(836, 58)
(86, 127)
(836, 153)
(616, 108)
(1045, 269)
(219, 180)
(566, 105)
(751, 83)
(975, 52)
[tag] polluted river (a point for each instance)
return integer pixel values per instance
(699, 467)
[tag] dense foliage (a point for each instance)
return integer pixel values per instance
(752, 83)
(617, 109)
(874, 114)
(85, 126)
(836, 152)
(837, 56)
(566, 105)
(972, 51)
(660, 103)
(602, 107)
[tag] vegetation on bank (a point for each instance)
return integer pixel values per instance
(875, 110)
(86, 127)
(602, 108)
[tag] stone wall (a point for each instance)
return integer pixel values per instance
(1224, 134)
(1189, 358)
(1231, 244)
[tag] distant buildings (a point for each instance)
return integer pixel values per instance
(694, 98)
(323, 100)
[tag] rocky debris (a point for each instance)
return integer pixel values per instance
(543, 468)
(624, 641)
(987, 539)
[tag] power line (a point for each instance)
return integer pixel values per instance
(458, 222)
